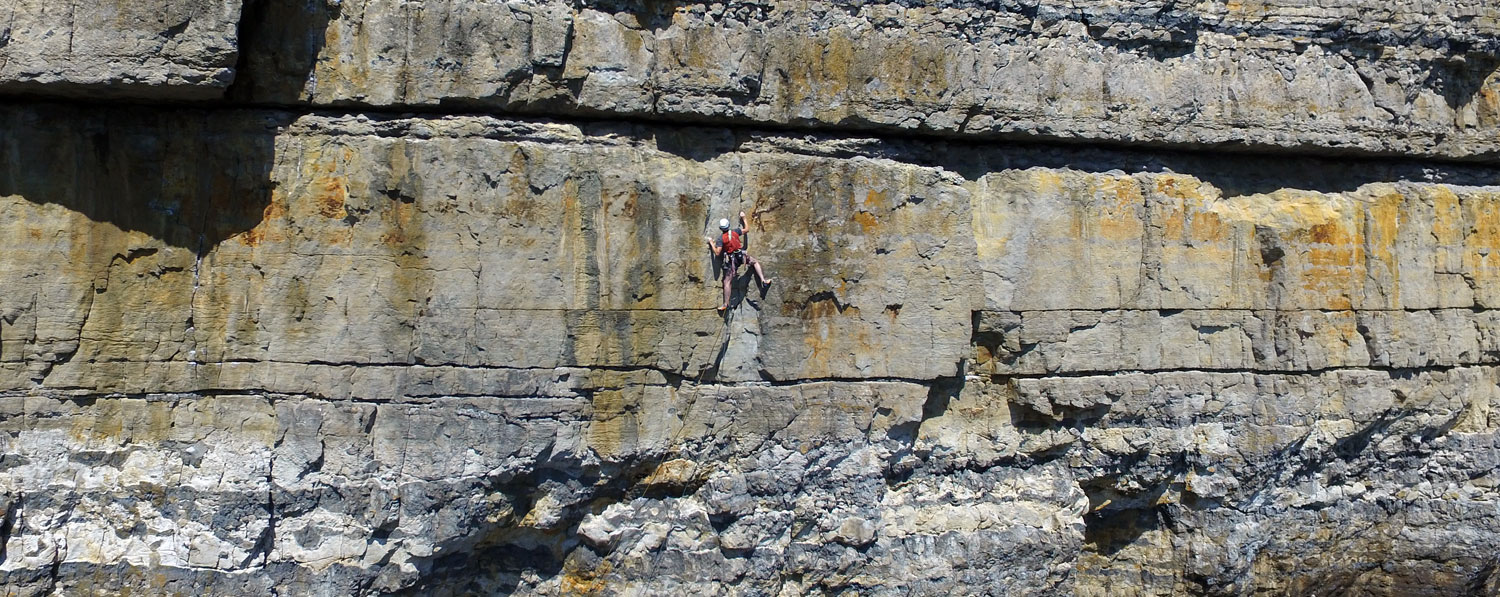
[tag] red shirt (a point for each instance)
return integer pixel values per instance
(730, 241)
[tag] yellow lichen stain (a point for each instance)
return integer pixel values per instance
(102, 424)
(1334, 249)
(1258, 9)
(611, 428)
(574, 245)
(1179, 187)
(1448, 229)
(1124, 190)
(1191, 196)
(907, 69)
(410, 282)
(867, 221)
(838, 58)
(1282, 210)
(1046, 181)
(521, 210)
(1482, 244)
(1206, 227)
(340, 236)
(1385, 222)
(1117, 216)
(1190, 222)
(634, 42)
(1383, 225)
(580, 581)
(1447, 217)
(1333, 258)
(403, 229)
(931, 66)
(697, 49)
(331, 197)
(675, 472)
(1331, 233)
(324, 195)
(337, 75)
(827, 309)
(498, 510)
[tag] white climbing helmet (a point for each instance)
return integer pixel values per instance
(723, 223)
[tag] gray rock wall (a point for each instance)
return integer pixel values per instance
(412, 298)
(1344, 77)
(139, 49)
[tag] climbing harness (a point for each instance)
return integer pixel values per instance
(733, 261)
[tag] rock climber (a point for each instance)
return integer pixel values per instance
(731, 248)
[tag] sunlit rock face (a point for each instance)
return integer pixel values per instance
(1351, 76)
(372, 297)
(135, 49)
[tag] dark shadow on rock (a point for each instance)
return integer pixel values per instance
(940, 394)
(710, 373)
(1157, 34)
(739, 291)
(1252, 174)
(280, 41)
(505, 554)
(1234, 174)
(651, 15)
(695, 143)
(187, 178)
(1107, 529)
(1459, 78)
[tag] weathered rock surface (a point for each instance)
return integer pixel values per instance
(365, 354)
(1351, 76)
(299, 342)
(154, 49)
(490, 243)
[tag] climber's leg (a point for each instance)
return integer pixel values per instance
(728, 277)
(759, 275)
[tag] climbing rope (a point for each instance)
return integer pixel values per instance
(720, 347)
(656, 553)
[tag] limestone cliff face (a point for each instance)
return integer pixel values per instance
(412, 298)
(146, 49)
(1406, 78)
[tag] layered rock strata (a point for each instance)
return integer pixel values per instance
(298, 342)
(137, 49)
(1353, 76)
